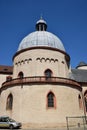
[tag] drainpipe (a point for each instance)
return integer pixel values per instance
(84, 104)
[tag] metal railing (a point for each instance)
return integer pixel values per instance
(78, 123)
(39, 79)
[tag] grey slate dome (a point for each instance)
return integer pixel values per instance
(41, 37)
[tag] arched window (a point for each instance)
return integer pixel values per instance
(9, 102)
(21, 75)
(80, 101)
(48, 73)
(50, 100)
(85, 98)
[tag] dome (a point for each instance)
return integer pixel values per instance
(81, 64)
(41, 21)
(41, 37)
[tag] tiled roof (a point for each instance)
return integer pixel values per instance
(6, 69)
(80, 75)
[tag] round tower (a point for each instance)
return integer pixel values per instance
(40, 92)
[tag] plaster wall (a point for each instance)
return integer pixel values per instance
(35, 62)
(30, 104)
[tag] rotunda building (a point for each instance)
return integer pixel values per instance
(41, 92)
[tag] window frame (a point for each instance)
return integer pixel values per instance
(48, 74)
(54, 101)
(20, 75)
(9, 102)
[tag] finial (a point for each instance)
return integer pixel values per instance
(41, 16)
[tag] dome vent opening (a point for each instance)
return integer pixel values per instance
(41, 25)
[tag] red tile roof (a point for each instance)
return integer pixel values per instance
(6, 69)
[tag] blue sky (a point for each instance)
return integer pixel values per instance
(65, 18)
